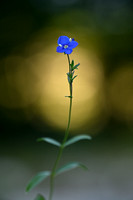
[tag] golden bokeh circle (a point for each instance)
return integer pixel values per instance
(87, 90)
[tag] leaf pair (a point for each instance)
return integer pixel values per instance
(71, 77)
(43, 175)
(74, 67)
(67, 143)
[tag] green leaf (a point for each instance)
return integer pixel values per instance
(69, 96)
(37, 179)
(69, 167)
(74, 77)
(49, 140)
(75, 67)
(76, 139)
(39, 197)
(69, 76)
(72, 64)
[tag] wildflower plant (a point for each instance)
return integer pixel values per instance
(66, 46)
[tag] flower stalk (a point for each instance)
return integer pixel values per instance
(64, 140)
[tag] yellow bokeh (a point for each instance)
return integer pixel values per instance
(38, 78)
(87, 90)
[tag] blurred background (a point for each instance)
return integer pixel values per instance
(33, 86)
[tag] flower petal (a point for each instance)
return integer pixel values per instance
(68, 51)
(63, 40)
(60, 49)
(73, 44)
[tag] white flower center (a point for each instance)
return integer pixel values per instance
(70, 39)
(65, 46)
(60, 45)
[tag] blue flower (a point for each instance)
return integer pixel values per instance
(66, 45)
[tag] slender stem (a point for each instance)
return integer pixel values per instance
(64, 140)
(70, 107)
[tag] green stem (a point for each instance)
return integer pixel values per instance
(64, 140)
(70, 107)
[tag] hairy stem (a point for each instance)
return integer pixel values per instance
(64, 140)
